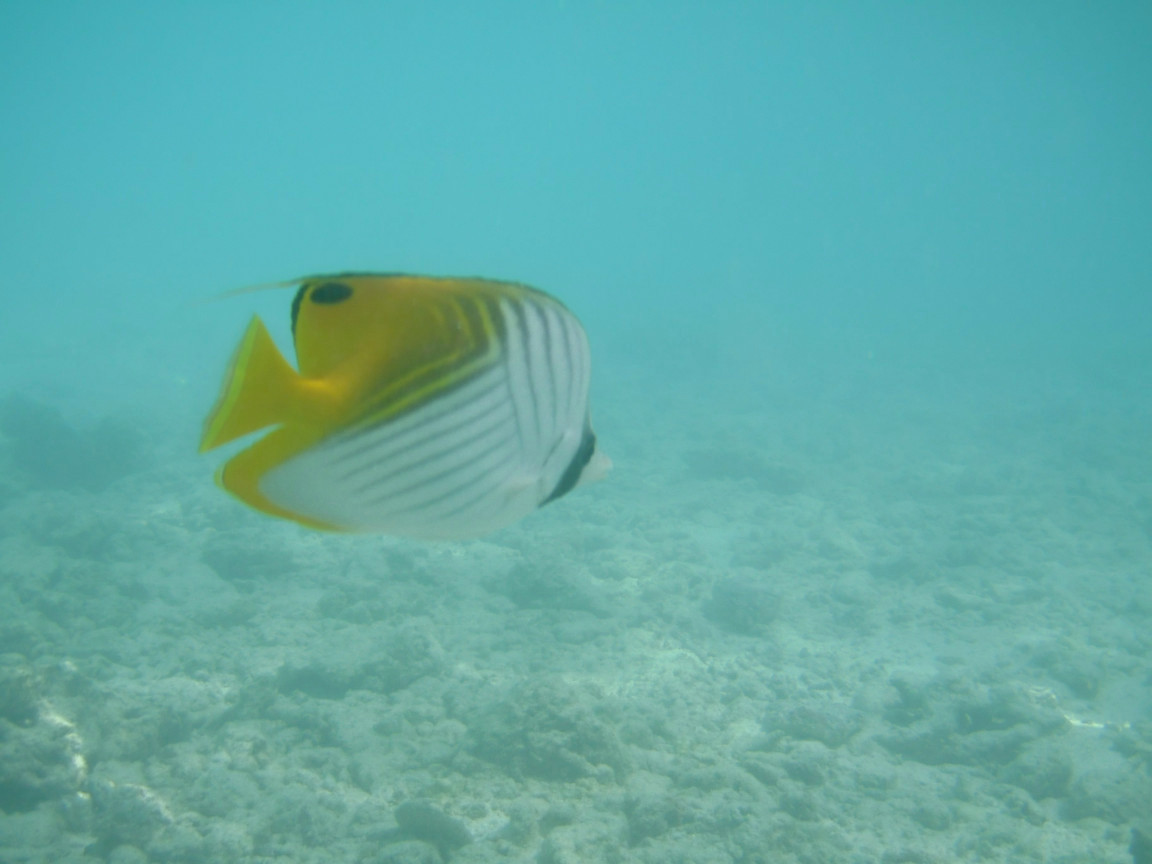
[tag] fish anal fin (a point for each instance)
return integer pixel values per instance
(242, 474)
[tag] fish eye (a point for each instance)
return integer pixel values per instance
(330, 292)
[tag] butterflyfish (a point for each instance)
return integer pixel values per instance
(424, 407)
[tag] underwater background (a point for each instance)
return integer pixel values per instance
(869, 292)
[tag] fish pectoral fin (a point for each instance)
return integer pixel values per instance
(596, 469)
(523, 490)
(260, 390)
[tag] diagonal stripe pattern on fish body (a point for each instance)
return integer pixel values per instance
(426, 407)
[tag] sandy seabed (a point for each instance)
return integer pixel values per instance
(786, 629)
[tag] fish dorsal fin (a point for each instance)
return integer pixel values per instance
(389, 329)
(246, 289)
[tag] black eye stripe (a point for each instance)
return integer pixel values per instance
(330, 292)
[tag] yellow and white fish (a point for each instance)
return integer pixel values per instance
(424, 407)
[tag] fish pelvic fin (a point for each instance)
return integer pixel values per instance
(260, 390)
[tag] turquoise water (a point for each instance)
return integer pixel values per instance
(869, 290)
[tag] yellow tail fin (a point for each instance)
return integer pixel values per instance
(258, 390)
